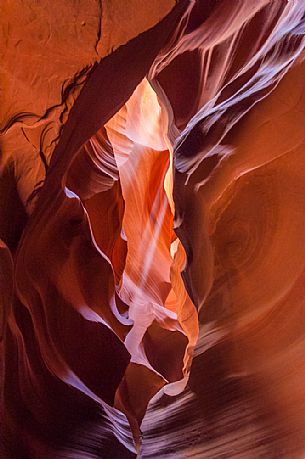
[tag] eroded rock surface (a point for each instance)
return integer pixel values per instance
(151, 225)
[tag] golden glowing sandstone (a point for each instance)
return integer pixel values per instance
(152, 217)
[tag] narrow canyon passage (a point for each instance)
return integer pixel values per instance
(152, 216)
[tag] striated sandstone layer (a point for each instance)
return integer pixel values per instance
(152, 215)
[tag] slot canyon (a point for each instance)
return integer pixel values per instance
(152, 216)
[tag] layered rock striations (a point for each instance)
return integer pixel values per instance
(151, 227)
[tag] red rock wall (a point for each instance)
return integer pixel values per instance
(151, 227)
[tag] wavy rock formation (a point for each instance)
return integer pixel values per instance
(151, 224)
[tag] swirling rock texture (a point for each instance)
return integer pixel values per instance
(152, 217)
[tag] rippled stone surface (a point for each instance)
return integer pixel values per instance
(151, 226)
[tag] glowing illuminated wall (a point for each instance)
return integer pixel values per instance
(152, 217)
